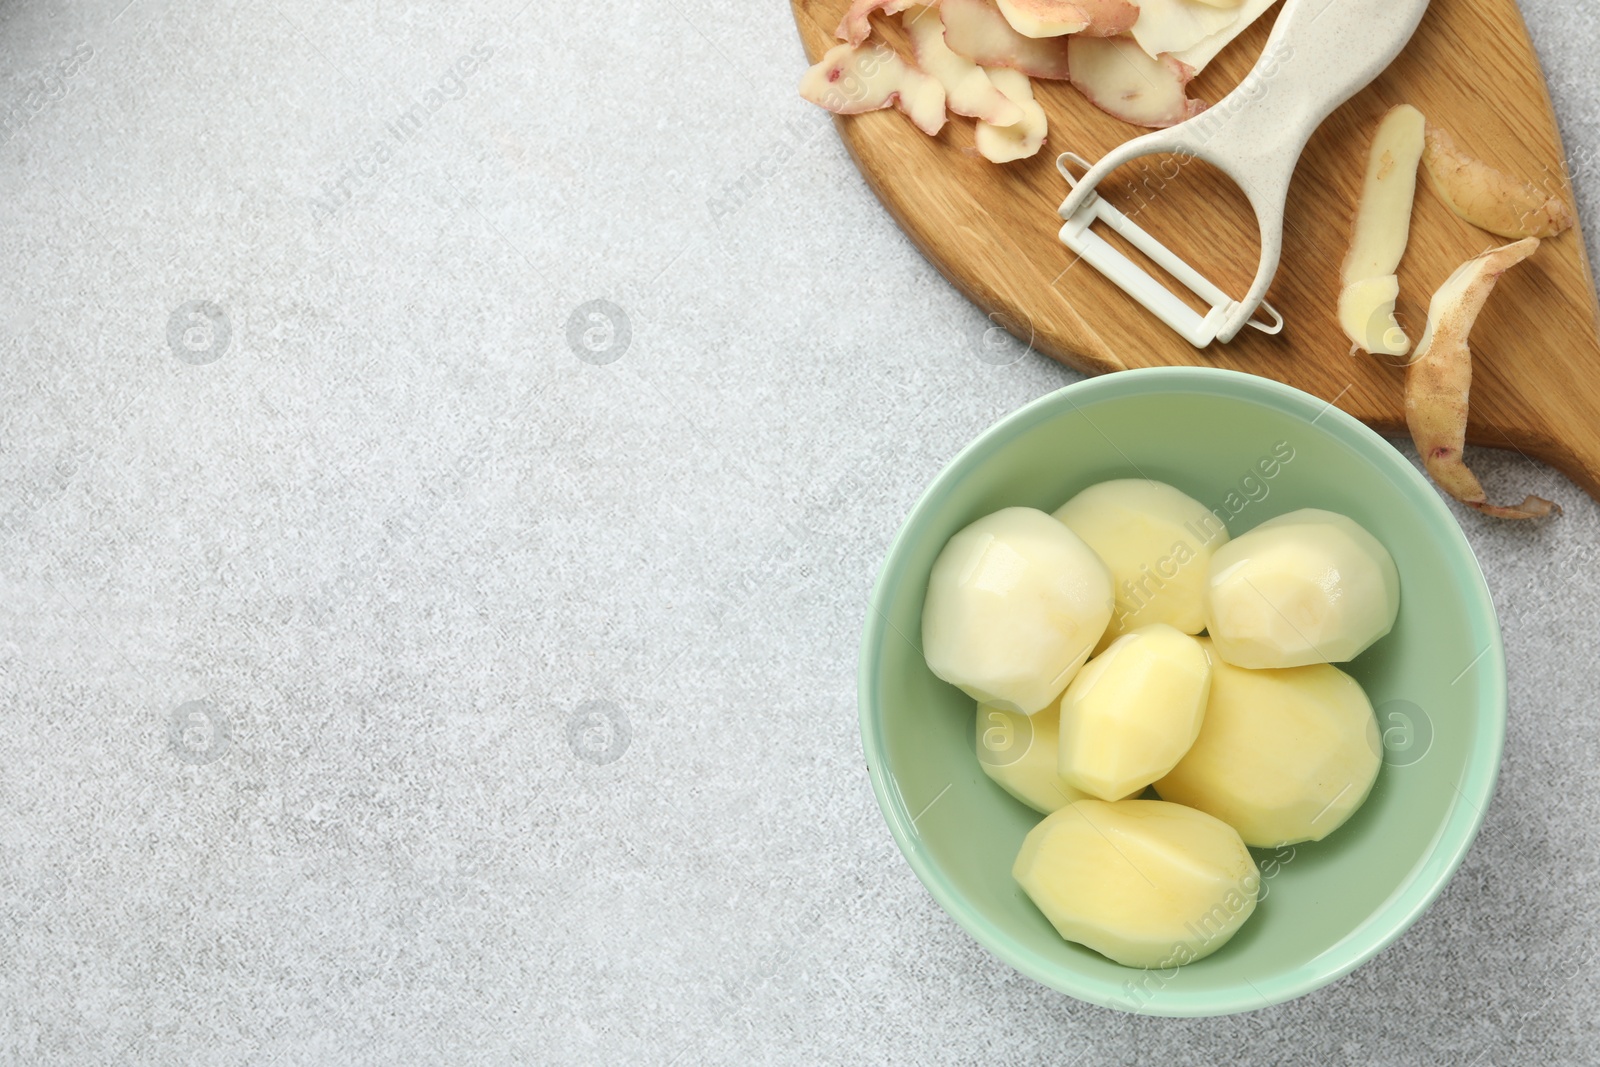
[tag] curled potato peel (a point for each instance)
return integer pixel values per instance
(1440, 377)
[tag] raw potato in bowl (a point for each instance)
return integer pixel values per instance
(1020, 753)
(1158, 542)
(1133, 711)
(1147, 883)
(1283, 756)
(1249, 735)
(1016, 602)
(1307, 587)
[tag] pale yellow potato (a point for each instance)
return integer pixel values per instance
(1283, 756)
(1144, 882)
(1019, 752)
(1133, 711)
(1311, 586)
(1158, 542)
(1015, 603)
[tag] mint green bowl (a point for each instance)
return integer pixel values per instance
(1437, 682)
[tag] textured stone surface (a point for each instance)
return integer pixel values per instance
(435, 673)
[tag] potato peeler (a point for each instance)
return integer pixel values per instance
(1320, 54)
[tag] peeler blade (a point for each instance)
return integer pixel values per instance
(1199, 330)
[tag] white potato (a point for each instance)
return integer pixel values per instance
(1015, 603)
(1144, 882)
(1158, 543)
(1307, 587)
(1019, 752)
(1133, 711)
(1283, 756)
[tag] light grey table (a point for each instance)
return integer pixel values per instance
(401, 665)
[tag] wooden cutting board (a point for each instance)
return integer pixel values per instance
(991, 230)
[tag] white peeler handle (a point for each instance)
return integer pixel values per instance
(1320, 54)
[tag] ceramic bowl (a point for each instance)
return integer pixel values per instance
(1437, 683)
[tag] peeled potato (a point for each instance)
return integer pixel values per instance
(1019, 752)
(1133, 711)
(1015, 603)
(1158, 543)
(1147, 883)
(1283, 756)
(1307, 587)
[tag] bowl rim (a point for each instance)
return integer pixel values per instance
(1450, 843)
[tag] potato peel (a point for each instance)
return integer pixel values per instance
(1175, 25)
(1440, 378)
(1379, 234)
(976, 29)
(1488, 198)
(1018, 140)
(1205, 51)
(852, 80)
(968, 89)
(1057, 18)
(856, 26)
(1116, 76)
